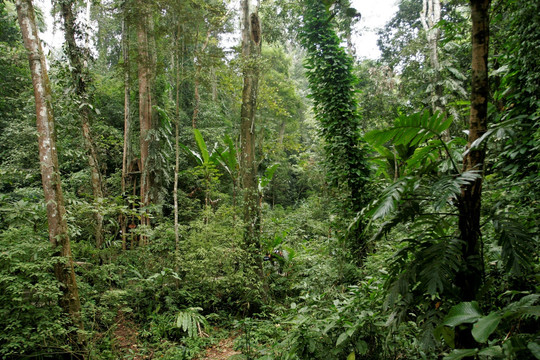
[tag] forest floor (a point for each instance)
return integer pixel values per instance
(125, 336)
(126, 343)
(221, 351)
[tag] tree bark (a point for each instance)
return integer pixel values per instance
(144, 63)
(250, 52)
(430, 17)
(127, 120)
(470, 199)
(81, 79)
(50, 175)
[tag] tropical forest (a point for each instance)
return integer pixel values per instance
(244, 179)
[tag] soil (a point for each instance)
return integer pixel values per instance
(125, 338)
(221, 351)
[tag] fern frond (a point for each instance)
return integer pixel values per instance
(440, 261)
(518, 246)
(389, 199)
(190, 321)
(410, 130)
(449, 187)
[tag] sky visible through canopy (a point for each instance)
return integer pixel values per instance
(374, 15)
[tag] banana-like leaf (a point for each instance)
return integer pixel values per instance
(202, 146)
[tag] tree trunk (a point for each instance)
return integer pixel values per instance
(177, 141)
(430, 17)
(50, 174)
(470, 200)
(144, 63)
(127, 120)
(81, 78)
(251, 36)
(470, 277)
(197, 79)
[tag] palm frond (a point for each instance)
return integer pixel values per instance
(518, 246)
(389, 199)
(448, 188)
(410, 130)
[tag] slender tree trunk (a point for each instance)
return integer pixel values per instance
(81, 78)
(251, 37)
(470, 277)
(127, 120)
(197, 80)
(177, 142)
(470, 200)
(50, 174)
(430, 17)
(144, 63)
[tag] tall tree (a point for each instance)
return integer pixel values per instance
(50, 173)
(470, 201)
(127, 115)
(145, 61)
(81, 79)
(251, 49)
(430, 17)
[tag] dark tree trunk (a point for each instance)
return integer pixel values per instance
(470, 277)
(50, 174)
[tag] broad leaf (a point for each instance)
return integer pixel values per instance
(463, 313)
(202, 146)
(485, 326)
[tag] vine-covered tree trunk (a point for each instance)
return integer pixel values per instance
(50, 174)
(251, 47)
(331, 81)
(81, 78)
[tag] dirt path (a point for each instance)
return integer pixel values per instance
(222, 351)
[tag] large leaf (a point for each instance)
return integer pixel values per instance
(410, 130)
(485, 326)
(463, 313)
(202, 146)
(389, 198)
(448, 188)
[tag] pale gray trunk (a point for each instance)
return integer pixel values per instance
(50, 173)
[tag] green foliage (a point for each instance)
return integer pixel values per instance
(191, 321)
(30, 316)
(496, 322)
(329, 71)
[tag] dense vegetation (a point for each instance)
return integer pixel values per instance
(286, 193)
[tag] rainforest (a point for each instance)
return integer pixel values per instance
(241, 179)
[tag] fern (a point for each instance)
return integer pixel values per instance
(191, 321)
(389, 199)
(518, 246)
(410, 130)
(448, 187)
